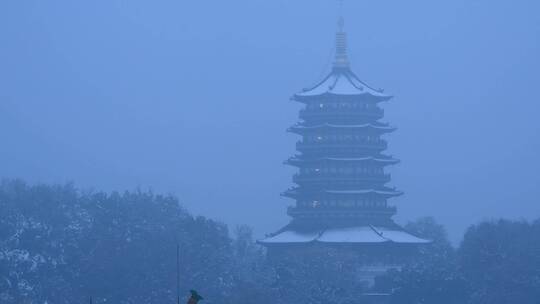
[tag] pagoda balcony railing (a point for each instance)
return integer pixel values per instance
(342, 144)
(340, 178)
(374, 113)
(327, 211)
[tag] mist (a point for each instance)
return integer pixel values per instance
(192, 99)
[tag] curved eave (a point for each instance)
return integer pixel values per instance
(298, 129)
(368, 234)
(294, 193)
(341, 82)
(296, 161)
(306, 98)
(367, 191)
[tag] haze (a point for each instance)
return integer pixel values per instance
(192, 98)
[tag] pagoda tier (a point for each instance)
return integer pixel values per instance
(319, 112)
(335, 204)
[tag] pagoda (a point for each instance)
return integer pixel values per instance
(341, 193)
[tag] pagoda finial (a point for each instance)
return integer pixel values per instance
(341, 59)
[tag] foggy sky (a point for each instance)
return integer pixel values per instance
(192, 98)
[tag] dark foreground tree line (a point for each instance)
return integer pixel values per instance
(62, 245)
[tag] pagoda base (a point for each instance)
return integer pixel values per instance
(373, 250)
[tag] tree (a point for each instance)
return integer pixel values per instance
(253, 275)
(501, 260)
(433, 277)
(318, 275)
(62, 245)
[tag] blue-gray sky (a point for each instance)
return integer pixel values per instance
(191, 98)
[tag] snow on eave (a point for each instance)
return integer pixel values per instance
(300, 97)
(341, 82)
(360, 159)
(366, 191)
(290, 237)
(360, 234)
(399, 236)
(327, 125)
(350, 235)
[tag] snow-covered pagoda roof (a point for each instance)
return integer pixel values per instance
(348, 235)
(342, 81)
